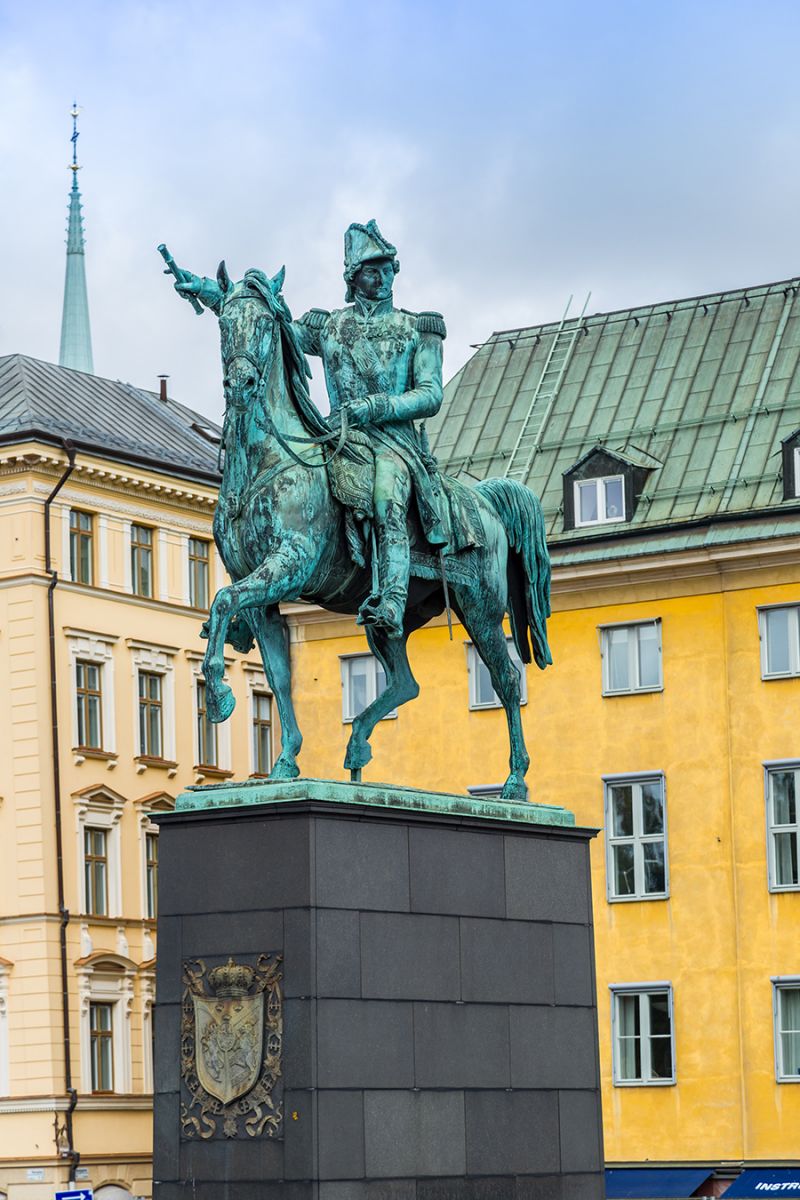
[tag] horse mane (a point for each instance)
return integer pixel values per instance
(294, 360)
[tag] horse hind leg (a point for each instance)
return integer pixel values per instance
(489, 640)
(401, 686)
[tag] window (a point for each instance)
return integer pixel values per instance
(89, 696)
(99, 811)
(797, 470)
(92, 666)
(151, 874)
(636, 838)
(481, 692)
(599, 501)
(81, 564)
(779, 629)
(262, 733)
(198, 573)
(5, 967)
(151, 715)
(142, 560)
(101, 1028)
(642, 1029)
(206, 731)
(783, 826)
(631, 658)
(105, 988)
(363, 680)
(95, 867)
(787, 1029)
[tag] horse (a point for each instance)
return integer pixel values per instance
(281, 534)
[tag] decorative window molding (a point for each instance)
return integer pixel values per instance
(261, 720)
(162, 569)
(786, 1016)
(363, 680)
(198, 572)
(637, 862)
(81, 546)
(148, 853)
(631, 657)
(782, 794)
(147, 975)
(481, 691)
(156, 660)
(97, 807)
(143, 551)
(96, 648)
(5, 1080)
(107, 979)
(642, 1034)
(779, 631)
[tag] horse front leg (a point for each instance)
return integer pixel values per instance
(270, 634)
(277, 577)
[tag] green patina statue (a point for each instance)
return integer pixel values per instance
(352, 513)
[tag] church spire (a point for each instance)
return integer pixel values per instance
(76, 337)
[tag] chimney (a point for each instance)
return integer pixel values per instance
(163, 388)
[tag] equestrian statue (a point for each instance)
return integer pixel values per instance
(351, 512)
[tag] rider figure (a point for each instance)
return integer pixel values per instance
(384, 366)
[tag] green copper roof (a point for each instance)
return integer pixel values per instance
(700, 392)
(76, 336)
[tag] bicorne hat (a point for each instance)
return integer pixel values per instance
(363, 243)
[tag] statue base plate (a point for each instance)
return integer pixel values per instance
(436, 1007)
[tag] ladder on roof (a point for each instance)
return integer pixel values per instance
(544, 395)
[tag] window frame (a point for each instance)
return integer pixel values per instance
(600, 493)
(205, 730)
(100, 808)
(658, 987)
(474, 662)
(257, 723)
(345, 669)
(156, 802)
(84, 695)
(604, 632)
(76, 536)
(193, 560)
(794, 642)
(796, 461)
(770, 769)
(781, 983)
(95, 649)
(92, 859)
(637, 839)
(137, 549)
(107, 979)
(146, 703)
(98, 1037)
(157, 660)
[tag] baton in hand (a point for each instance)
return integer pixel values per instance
(173, 269)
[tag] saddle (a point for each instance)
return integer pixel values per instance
(352, 480)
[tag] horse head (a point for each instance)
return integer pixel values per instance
(250, 313)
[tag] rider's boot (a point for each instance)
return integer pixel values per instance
(388, 607)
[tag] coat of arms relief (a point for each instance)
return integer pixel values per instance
(231, 1040)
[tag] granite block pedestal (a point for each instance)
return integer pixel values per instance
(439, 1022)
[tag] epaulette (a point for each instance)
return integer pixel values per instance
(315, 318)
(431, 322)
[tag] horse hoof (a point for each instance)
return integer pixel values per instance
(285, 769)
(357, 756)
(514, 789)
(220, 703)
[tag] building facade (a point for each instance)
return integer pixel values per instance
(106, 568)
(664, 442)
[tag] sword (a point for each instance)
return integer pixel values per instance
(446, 594)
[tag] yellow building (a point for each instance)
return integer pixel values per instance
(107, 564)
(664, 442)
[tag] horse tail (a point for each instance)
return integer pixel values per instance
(521, 516)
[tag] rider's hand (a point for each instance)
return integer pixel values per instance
(359, 412)
(190, 285)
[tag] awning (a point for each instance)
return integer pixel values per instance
(778, 1181)
(654, 1183)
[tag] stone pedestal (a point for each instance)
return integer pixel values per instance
(439, 1035)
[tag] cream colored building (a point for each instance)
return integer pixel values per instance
(131, 565)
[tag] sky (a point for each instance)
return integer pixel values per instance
(515, 153)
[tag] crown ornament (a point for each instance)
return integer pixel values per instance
(232, 980)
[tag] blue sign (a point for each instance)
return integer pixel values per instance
(767, 1181)
(83, 1194)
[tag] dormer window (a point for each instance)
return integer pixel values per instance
(600, 501)
(796, 480)
(790, 447)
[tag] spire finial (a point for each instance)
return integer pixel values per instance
(73, 166)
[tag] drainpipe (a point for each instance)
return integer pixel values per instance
(70, 1152)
